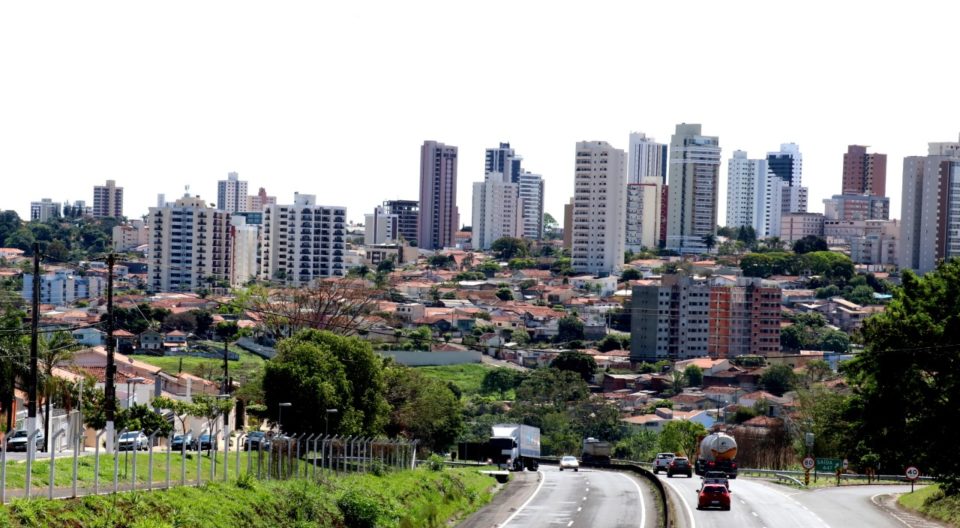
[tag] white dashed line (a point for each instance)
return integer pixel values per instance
(543, 478)
(755, 514)
(570, 523)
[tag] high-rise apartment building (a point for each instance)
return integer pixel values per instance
(189, 244)
(787, 165)
(45, 209)
(504, 160)
(644, 208)
(380, 227)
(646, 187)
(795, 226)
(302, 241)
(531, 204)
(129, 236)
(647, 159)
(256, 202)
(694, 184)
(108, 200)
(246, 250)
(497, 210)
(439, 217)
(599, 210)
(408, 216)
(670, 321)
(232, 194)
(744, 319)
(754, 195)
(568, 224)
(930, 210)
(62, 287)
(856, 207)
(864, 173)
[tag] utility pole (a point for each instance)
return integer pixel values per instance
(34, 346)
(226, 395)
(110, 390)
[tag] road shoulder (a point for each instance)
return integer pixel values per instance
(505, 502)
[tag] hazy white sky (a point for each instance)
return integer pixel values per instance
(335, 98)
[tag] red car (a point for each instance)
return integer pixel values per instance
(714, 495)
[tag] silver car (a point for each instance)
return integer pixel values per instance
(133, 440)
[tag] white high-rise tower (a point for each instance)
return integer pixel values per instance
(599, 208)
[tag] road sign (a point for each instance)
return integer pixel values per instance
(846, 464)
(828, 465)
(809, 463)
(912, 473)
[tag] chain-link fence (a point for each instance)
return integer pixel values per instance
(137, 460)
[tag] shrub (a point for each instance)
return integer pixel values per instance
(359, 510)
(435, 462)
(246, 481)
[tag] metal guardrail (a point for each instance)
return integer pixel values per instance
(824, 474)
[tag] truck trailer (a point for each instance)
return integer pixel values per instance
(515, 446)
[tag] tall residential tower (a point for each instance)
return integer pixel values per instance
(599, 208)
(439, 217)
(694, 183)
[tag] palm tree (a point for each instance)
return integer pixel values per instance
(14, 360)
(51, 351)
(709, 240)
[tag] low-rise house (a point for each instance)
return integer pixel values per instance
(151, 340)
(615, 382)
(88, 336)
(175, 340)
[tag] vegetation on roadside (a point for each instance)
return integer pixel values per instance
(931, 501)
(421, 498)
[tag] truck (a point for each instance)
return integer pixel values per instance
(717, 452)
(515, 446)
(596, 452)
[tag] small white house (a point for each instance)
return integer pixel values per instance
(88, 336)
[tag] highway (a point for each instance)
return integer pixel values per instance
(753, 503)
(588, 498)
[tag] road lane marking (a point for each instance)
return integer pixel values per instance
(643, 506)
(693, 522)
(579, 509)
(543, 478)
(584, 498)
(570, 523)
(755, 514)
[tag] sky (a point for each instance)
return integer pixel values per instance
(335, 98)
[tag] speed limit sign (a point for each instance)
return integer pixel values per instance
(809, 463)
(912, 473)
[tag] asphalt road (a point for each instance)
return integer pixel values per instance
(756, 503)
(588, 498)
(753, 504)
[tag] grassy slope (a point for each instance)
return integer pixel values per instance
(928, 500)
(248, 362)
(413, 498)
(468, 377)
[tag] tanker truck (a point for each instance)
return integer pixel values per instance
(718, 452)
(596, 452)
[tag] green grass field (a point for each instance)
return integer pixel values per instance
(468, 377)
(930, 501)
(247, 365)
(420, 498)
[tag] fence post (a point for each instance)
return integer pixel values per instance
(183, 459)
(53, 454)
(31, 450)
(151, 438)
(240, 440)
(306, 451)
(413, 454)
(96, 463)
(3, 471)
(226, 453)
(134, 448)
(213, 453)
(116, 459)
(273, 443)
(169, 453)
(76, 455)
(199, 461)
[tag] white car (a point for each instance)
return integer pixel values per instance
(569, 462)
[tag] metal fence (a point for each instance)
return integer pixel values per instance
(76, 471)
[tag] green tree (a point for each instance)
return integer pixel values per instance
(808, 244)
(694, 375)
(317, 370)
(862, 295)
(422, 408)
(778, 379)
(582, 364)
(611, 342)
(501, 381)
(709, 241)
(507, 248)
(834, 341)
(681, 436)
(51, 351)
(569, 328)
(906, 378)
(630, 274)
(504, 294)
(639, 446)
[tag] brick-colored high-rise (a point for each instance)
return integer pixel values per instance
(864, 173)
(744, 319)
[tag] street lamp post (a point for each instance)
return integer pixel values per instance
(326, 420)
(280, 417)
(131, 381)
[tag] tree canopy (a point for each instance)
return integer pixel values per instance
(507, 248)
(578, 362)
(906, 380)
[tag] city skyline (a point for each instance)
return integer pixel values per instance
(249, 90)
